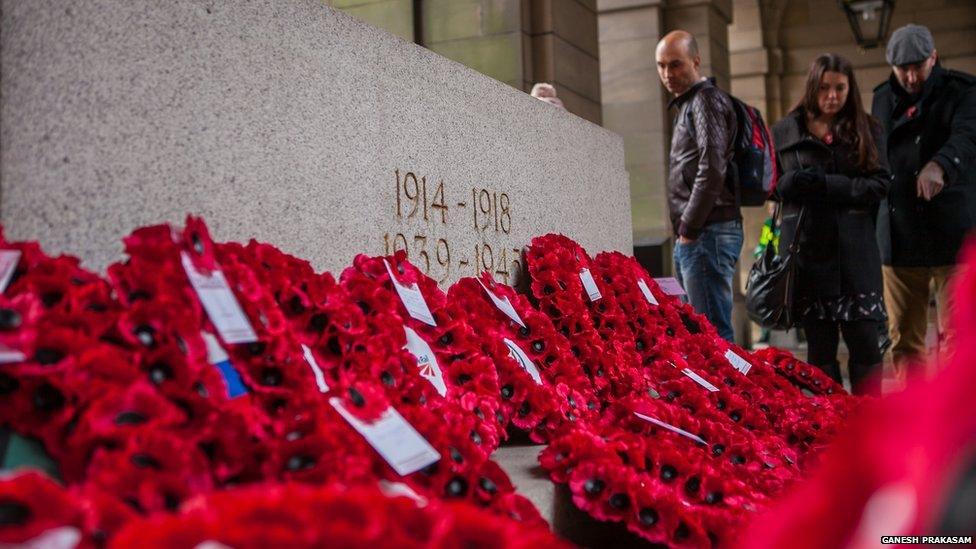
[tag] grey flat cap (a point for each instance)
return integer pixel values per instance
(909, 44)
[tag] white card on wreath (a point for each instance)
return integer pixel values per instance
(62, 537)
(8, 264)
(646, 291)
(316, 371)
(503, 304)
(699, 379)
(393, 438)
(217, 357)
(523, 359)
(670, 285)
(670, 427)
(590, 285)
(220, 303)
(412, 299)
(215, 351)
(737, 362)
(426, 360)
(398, 489)
(10, 356)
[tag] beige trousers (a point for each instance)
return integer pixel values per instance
(907, 294)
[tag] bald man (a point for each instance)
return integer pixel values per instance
(702, 200)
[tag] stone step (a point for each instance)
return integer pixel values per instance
(519, 459)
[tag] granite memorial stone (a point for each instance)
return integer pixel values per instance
(288, 122)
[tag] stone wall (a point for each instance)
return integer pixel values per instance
(488, 36)
(519, 42)
(565, 52)
(289, 122)
(394, 16)
(634, 106)
(807, 30)
(773, 42)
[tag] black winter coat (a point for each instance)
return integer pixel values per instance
(941, 126)
(838, 251)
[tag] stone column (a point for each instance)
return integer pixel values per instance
(749, 58)
(489, 36)
(755, 68)
(634, 107)
(709, 21)
(565, 52)
(521, 42)
(394, 16)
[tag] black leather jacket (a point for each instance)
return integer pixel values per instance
(699, 193)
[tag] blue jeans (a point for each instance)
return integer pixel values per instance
(705, 268)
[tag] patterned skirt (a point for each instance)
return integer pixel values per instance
(844, 308)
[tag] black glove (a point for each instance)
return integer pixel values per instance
(811, 177)
(810, 180)
(798, 184)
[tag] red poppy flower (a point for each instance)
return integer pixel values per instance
(32, 503)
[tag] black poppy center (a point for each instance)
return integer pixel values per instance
(648, 516)
(357, 398)
(130, 418)
(159, 373)
(144, 461)
(318, 322)
(271, 377)
(487, 485)
(13, 513)
(300, 463)
(620, 501)
(146, 335)
(45, 356)
(48, 398)
(9, 319)
(8, 384)
(457, 487)
(668, 473)
(593, 486)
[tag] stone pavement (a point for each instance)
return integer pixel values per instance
(520, 460)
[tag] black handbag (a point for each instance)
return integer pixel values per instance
(771, 283)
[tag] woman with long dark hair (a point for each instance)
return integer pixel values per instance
(827, 149)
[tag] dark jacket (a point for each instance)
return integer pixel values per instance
(699, 193)
(939, 125)
(838, 251)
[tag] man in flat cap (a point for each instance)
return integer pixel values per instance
(929, 116)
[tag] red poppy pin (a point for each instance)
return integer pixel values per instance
(912, 111)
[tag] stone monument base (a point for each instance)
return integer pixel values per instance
(520, 459)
